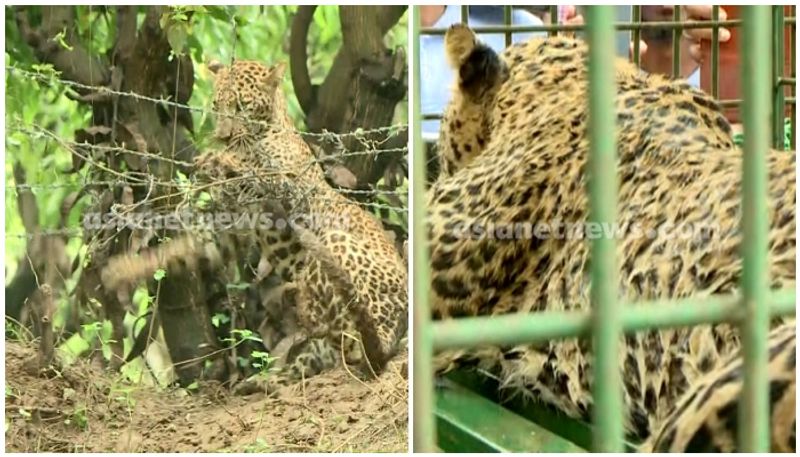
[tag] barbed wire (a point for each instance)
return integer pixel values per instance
(44, 133)
(128, 179)
(72, 185)
(78, 185)
(68, 232)
(392, 129)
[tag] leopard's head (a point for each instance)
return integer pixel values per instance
(247, 99)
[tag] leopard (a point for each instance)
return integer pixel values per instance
(344, 282)
(507, 233)
(349, 277)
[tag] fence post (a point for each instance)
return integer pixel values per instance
(424, 426)
(608, 416)
(756, 69)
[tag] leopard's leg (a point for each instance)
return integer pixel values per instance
(310, 358)
(369, 292)
(302, 359)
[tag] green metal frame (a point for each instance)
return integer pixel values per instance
(465, 420)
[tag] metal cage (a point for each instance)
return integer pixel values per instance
(465, 416)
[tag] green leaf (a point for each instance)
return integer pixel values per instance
(219, 319)
(176, 35)
(45, 69)
(159, 274)
(220, 13)
(60, 38)
(246, 335)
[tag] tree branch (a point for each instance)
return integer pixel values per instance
(298, 58)
(74, 62)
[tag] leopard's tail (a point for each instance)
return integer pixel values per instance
(132, 267)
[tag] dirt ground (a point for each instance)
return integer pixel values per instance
(83, 409)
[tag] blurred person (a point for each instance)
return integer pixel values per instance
(656, 46)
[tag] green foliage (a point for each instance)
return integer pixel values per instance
(738, 139)
(33, 105)
(204, 32)
(239, 336)
(262, 33)
(178, 26)
(78, 417)
(219, 319)
(159, 274)
(42, 159)
(60, 38)
(261, 360)
(101, 333)
(395, 216)
(787, 134)
(259, 446)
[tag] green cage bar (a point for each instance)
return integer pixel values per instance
(778, 102)
(793, 66)
(424, 431)
(577, 28)
(715, 53)
(536, 328)
(754, 410)
(607, 393)
(636, 16)
(676, 42)
(507, 21)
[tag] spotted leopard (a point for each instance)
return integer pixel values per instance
(366, 296)
(345, 280)
(506, 219)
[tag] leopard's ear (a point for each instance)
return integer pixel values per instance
(274, 77)
(215, 66)
(277, 71)
(459, 42)
(478, 66)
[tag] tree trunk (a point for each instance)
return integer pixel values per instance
(362, 88)
(137, 63)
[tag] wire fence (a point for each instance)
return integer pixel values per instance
(391, 130)
(363, 142)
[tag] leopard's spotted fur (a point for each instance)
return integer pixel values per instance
(366, 295)
(514, 148)
(706, 418)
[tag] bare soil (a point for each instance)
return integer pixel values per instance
(82, 408)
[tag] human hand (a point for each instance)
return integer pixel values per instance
(571, 16)
(695, 36)
(429, 14)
